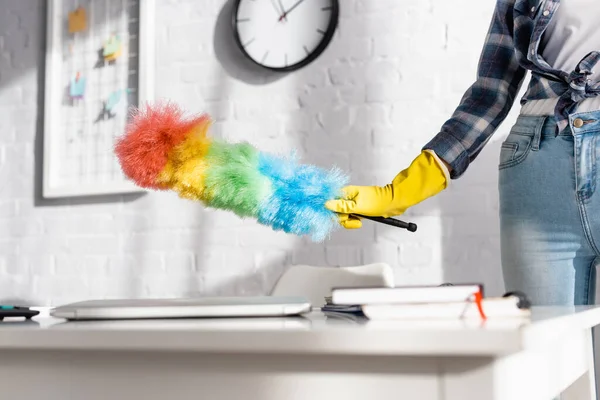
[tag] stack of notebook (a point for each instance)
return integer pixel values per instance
(426, 302)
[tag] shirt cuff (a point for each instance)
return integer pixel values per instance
(442, 166)
(452, 151)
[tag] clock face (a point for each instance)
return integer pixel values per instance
(284, 34)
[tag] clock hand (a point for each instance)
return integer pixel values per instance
(290, 10)
(278, 10)
(281, 7)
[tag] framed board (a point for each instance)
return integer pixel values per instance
(99, 64)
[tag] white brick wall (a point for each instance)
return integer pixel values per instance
(392, 75)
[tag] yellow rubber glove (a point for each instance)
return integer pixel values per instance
(425, 177)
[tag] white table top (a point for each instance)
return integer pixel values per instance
(312, 334)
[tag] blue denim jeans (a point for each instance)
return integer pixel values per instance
(550, 209)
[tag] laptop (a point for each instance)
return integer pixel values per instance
(200, 307)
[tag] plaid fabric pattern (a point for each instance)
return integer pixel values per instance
(510, 50)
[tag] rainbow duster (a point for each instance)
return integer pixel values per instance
(164, 150)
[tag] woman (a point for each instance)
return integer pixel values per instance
(549, 208)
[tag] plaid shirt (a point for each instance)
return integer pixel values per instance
(510, 50)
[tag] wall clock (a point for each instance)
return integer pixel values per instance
(284, 35)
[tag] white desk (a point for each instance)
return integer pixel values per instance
(300, 359)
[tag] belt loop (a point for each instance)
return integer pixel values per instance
(537, 136)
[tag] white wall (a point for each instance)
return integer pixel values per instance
(392, 75)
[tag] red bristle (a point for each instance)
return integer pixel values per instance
(151, 134)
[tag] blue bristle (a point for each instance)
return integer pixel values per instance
(299, 193)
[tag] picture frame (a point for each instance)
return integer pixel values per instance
(99, 63)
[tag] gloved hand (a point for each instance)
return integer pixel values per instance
(425, 177)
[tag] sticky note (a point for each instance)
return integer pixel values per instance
(77, 20)
(114, 99)
(77, 87)
(113, 56)
(112, 48)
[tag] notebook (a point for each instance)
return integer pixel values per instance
(500, 307)
(405, 294)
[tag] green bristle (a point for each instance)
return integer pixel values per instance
(233, 181)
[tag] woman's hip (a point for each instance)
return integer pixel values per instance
(548, 207)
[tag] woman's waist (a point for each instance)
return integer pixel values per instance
(545, 125)
(542, 96)
(544, 107)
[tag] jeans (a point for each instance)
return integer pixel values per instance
(550, 209)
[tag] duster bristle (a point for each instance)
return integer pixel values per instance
(299, 192)
(233, 181)
(150, 136)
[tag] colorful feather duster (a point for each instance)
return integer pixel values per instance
(164, 150)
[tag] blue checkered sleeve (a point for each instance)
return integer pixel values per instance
(485, 104)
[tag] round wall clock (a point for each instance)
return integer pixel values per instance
(284, 35)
